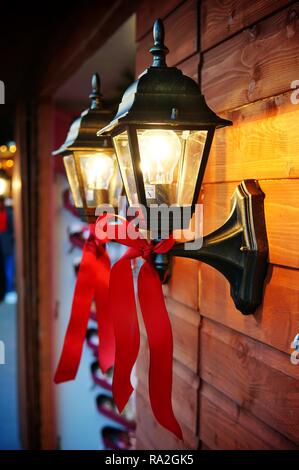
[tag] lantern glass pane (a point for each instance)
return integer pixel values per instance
(121, 143)
(170, 161)
(160, 154)
(72, 177)
(194, 147)
(97, 170)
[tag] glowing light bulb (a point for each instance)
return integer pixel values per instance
(98, 170)
(4, 187)
(160, 151)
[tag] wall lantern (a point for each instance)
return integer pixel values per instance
(90, 162)
(162, 135)
(4, 184)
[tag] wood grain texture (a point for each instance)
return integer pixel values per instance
(281, 211)
(276, 321)
(149, 11)
(263, 143)
(180, 37)
(190, 66)
(185, 327)
(185, 388)
(224, 425)
(182, 286)
(152, 434)
(261, 380)
(257, 63)
(221, 19)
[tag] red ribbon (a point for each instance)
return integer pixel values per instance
(122, 309)
(92, 283)
(3, 220)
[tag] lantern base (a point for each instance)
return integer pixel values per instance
(238, 249)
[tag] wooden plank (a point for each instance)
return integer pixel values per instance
(261, 380)
(226, 426)
(281, 211)
(180, 37)
(185, 388)
(203, 446)
(190, 67)
(263, 143)
(280, 306)
(183, 282)
(157, 437)
(221, 19)
(149, 11)
(257, 63)
(185, 327)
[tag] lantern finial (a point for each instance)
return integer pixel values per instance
(159, 50)
(95, 95)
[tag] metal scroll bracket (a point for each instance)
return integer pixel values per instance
(238, 249)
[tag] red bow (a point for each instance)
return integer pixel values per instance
(122, 310)
(92, 283)
(3, 220)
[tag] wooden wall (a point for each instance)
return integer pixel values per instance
(234, 384)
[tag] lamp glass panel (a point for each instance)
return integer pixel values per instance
(194, 144)
(160, 155)
(170, 161)
(121, 143)
(72, 177)
(97, 169)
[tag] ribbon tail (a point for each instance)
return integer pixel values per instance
(105, 321)
(122, 308)
(160, 341)
(76, 330)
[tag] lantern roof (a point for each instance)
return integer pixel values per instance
(164, 95)
(82, 133)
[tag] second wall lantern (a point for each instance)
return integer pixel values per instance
(90, 162)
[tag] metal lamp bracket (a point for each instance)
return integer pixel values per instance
(238, 249)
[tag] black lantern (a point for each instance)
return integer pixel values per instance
(90, 162)
(162, 135)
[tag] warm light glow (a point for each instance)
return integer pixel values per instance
(98, 170)
(4, 187)
(9, 163)
(3, 148)
(12, 148)
(160, 152)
